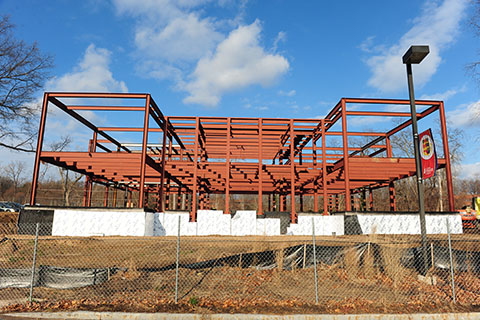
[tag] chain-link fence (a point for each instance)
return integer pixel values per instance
(334, 273)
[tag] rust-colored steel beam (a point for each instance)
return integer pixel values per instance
(141, 201)
(293, 213)
(164, 158)
(227, 168)
(41, 131)
(346, 155)
(260, 167)
(446, 152)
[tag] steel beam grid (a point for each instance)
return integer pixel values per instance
(273, 157)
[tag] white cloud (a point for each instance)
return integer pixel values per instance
(239, 61)
(159, 10)
(367, 45)
(290, 93)
(92, 74)
(202, 55)
(185, 38)
(437, 27)
(443, 96)
(469, 170)
(281, 37)
(361, 121)
(465, 115)
(169, 35)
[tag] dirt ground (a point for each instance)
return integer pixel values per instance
(152, 252)
(237, 290)
(373, 281)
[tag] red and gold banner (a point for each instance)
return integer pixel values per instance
(428, 154)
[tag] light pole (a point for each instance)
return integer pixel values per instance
(415, 55)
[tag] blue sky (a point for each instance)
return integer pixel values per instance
(258, 58)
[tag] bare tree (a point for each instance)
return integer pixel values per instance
(473, 68)
(15, 172)
(23, 71)
(68, 182)
(434, 187)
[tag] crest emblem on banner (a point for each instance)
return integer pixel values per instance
(428, 154)
(427, 147)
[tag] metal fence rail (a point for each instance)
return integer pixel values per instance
(366, 269)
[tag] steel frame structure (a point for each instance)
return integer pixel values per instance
(269, 157)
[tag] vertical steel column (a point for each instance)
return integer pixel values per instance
(164, 151)
(167, 196)
(346, 172)
(87, 179)
(315, 181)
(370, 199)
(179, 198)
(293, 214)
(301, 200)
(227, 173)
(201, 193)
(260, 168)
(324, 170)
(141, 196)
(388, 145)
(41, 131)
(115, 196)
(391, 193)
(446, 152)
(89, 193)
(170, 142)
(193, 212)
(105, 201)
(85, 191)
(90, 185)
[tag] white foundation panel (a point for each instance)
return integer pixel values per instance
(324, 225)
(268, 227)
(408, 224)
(85, 223)
(244, 223)
(213, 222)
(170, 224)
(158, 227)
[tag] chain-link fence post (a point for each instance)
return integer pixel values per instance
(34, 262)
(451, 261)
(315, 261)
(176, 266)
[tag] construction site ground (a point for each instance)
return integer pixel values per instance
(349, 285)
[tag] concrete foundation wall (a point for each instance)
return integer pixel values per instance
(403, 224)
(77, 222)
(324, 225)
(244, 223)
(97, 222)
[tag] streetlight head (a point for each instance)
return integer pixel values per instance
(415, 54)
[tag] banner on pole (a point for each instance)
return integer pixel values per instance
(428, 154)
